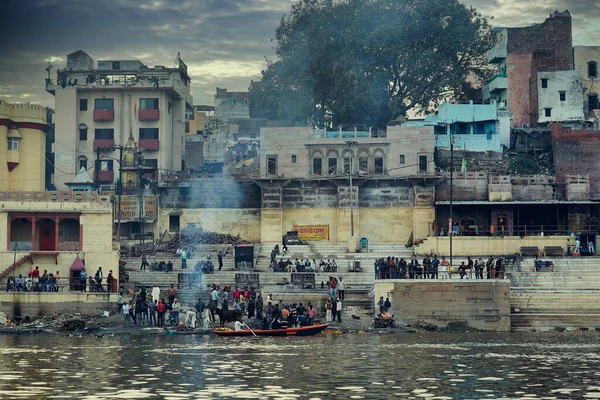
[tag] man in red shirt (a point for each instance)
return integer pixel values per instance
(35, 274)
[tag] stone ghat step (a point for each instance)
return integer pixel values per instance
(572, 285)
(552, 321)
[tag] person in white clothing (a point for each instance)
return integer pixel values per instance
(155, 293)
(239, 326)
(341, 287)
(577, 246)
(125, 311)
(591, 248)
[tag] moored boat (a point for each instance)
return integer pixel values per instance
(302, 331)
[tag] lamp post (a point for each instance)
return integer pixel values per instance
(14, 283)
(351, 144)
(450, 223)
(119, 188)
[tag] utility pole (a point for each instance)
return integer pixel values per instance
(450, 223)
(120, 188)
(351, 144)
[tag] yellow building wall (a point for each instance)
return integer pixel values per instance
(29, 174)
(313, 216)
(493, 246)
(386, 225)
(271, 225)
(96, 219)
(243, 222)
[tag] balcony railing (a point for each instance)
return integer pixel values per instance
(104, 115)
(105, 176)
(149, 144)
(104, 144)
(148, 114)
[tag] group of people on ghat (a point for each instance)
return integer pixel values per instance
(38, 281)
(434, 268)
(153, 309)
(303, 265)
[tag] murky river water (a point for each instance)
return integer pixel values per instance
(465, 366)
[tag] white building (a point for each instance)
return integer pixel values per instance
(559, 96)
(99, 107)
(305, 153)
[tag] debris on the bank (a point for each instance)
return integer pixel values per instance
(384, 320)
(72, 325)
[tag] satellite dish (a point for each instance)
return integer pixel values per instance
(501, 105)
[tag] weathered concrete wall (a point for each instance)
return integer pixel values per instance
(481, 245)
(576, 152)
(569, 109)
(245, 222)
(211, 193)
(484, 305)
(37, 304)
(194, 152)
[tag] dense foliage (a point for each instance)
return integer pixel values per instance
(369, 61)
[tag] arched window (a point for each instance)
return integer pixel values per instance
(592, 69)
(83, 131)
(83, 162)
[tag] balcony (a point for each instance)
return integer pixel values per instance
(498, 83)
(104, 115)
(106, 176)
(497, 53)
(148, 114)
(104, 144)
(149, 144)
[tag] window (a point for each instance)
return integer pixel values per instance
(148, 104)
(148, 133)
(347, 165)
(151, 163)
(200, 132)
(547, 112)
(593, 102)
(378, 165)
(479, 128)
(593, 69)
(317, 166)
(106, 165)
(82, 134)
(104, 104)
(544, 83)
(439, 130)
(82, 104)
(116, 65)
(294, 159)
(13, 144)
(402, 159)
(462, 127)
(332, 165)
(174, 223)
(422, 163)
(104, 134)
(272, 165)
(363, 165)
(562, 96)
(82, 163)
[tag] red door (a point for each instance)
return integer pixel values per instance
(47, 235)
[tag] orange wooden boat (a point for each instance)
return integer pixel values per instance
(302, 331)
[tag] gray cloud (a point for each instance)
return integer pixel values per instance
(224, 42)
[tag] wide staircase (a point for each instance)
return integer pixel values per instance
(358, 283)
(566, 296)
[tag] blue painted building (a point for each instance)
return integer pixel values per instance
(475, 127)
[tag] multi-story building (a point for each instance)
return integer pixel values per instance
(22, 144)
(587, 59)
(98, 107)
(522, 55)
(474, 127)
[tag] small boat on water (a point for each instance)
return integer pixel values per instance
(303, 331)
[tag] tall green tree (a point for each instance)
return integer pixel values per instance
(369, 61)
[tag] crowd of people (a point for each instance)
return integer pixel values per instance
(303, 265)
(435, 268)
(151, 308)
(38, 281)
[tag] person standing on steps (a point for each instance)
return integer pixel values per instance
(341, 287)
(144, 262)
(155, 293)
(171, 294)
(339, 310)
(184, 256)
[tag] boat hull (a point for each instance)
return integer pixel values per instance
(303, 331)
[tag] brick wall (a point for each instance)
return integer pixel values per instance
(542, 47)
(576, 152)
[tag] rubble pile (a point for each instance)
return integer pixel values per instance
(59, 322)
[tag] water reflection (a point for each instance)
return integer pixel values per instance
(476, 366)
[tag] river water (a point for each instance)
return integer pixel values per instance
(434, 366)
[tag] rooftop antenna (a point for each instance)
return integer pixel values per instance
(49, 68)
(177, 59)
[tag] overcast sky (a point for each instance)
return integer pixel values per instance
(223, 42)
